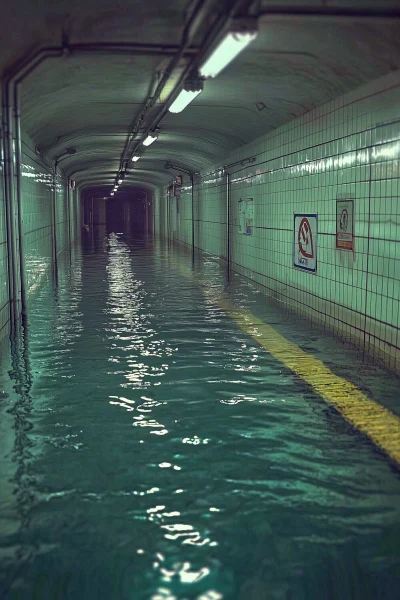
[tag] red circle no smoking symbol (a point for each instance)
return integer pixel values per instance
(306, 247)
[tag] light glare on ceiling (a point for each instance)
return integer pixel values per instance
(230, 46)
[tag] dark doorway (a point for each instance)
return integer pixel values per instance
(130, 213)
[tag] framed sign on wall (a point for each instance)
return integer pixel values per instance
(246, 215)
(345, 223)
(305, 231)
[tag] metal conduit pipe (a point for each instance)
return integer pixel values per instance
(273, 12)
(30, 62)
(236, 5)
(12, 170)
(193, 230)
(350, 14)
(68, 215)
(128, 48)
(195, 21)
(228, 222)
(9, 203)
(54, 225)
(11, 136)
(18, 154)
(191, 174)
(11, 125)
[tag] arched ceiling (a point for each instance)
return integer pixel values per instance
(89, 100)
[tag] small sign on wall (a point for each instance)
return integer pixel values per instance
(249, 216)
(305, 242)
(242, 216)
(344, 223)
(246, 216)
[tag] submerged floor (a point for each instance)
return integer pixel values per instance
(151, 450)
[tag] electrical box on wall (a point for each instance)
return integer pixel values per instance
(246, 215)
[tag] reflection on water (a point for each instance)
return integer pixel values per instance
(159, 453)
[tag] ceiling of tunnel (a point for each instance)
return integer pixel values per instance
(133, 193)
(89, 101)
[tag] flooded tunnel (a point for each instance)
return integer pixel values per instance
(131, 212)
(200, 300)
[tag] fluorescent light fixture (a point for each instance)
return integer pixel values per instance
(241, 34)
(135, 157)
(119, 181)
(183, 100)
(115, 188)
(192, 89)
(112, 193)
(151, 137)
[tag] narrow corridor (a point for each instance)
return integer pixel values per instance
(200, 300)
(162, 453)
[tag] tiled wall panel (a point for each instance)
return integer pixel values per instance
(348, 147)
(37, 215)
(37, 192)
(62, 214)
(37, 203)
(160, 212)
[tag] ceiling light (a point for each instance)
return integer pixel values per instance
(112, 193)
(241, 33)
(119, 181)
(192, 88)
(115, 188)
(151, 137)
(135, 157)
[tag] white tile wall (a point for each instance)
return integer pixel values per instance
(348, 146)
(37, 230)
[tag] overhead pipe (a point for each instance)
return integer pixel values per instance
(215, 31)
(13, 185)
(236, 5)
(191, 28)
(272, 11)
(12, 162)
(11, 125)
(31, 61)
(129, 48)
(332, 13)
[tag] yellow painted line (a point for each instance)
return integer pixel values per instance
(371, 418)
(377, 422)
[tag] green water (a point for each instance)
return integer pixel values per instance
(150, 450)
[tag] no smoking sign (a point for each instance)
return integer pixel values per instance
(305, 242)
